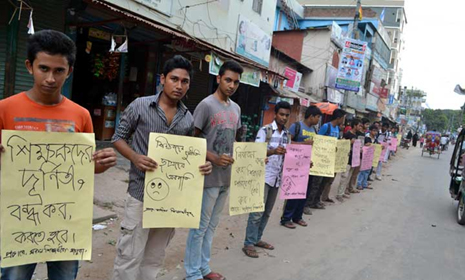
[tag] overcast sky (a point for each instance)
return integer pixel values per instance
(434, 55)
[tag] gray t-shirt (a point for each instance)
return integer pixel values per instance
(219, 124)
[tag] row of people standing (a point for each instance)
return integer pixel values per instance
(352, 181)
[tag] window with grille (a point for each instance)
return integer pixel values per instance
(257, 6)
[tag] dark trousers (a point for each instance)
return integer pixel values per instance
(319, 185)
(294, 208)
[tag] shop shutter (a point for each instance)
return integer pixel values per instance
(47, 15)
(3, 42)
(200, 86)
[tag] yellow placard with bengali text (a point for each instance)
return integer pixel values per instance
(47, 189)
(342, 156)
(173, 192)
(323, 156)
(378, 151)
(247, 178)
(399, 139)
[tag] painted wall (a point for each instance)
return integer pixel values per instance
(214, 22)
(281, 41)
(317, 52)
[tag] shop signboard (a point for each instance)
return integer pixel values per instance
(372, 102)
(378, 80)
(252, 42)
(250, 76)
(350, 70)
(293, 79)
(335, 96)
(163, 6)
(331, 76)
(336, 34)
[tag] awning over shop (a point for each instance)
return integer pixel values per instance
(179, 34)
(286, 93)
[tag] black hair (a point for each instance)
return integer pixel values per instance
(365, 121)
(386, 125)
(373, 127)
(338, 113)
(377, 122)
(178, 62)
(355, 122)
(312, 111)
(282, 105)
(51, 42)
(231, 65)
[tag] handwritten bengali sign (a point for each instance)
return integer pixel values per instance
(356, 152)
(342, 155)
(323, 156)
(377, 155)
(384, 153)
(393, 144)
(247, 178)
(295, 171)
(399, 140)
(47, 192)
(368, 153)
(173, 192)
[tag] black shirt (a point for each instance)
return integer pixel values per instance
(349, 136)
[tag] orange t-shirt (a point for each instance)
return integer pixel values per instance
(19, 112)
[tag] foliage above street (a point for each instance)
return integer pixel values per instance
(443, 120)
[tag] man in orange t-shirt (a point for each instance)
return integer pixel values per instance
(50, 59)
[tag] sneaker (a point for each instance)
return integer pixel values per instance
(378, 178)
(317, 206)
(321, 204)
(340, 199)
(307, 211)
(369, 179)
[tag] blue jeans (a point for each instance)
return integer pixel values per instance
(60, 270)
(199, 241)
(257, 221)
(363, 179)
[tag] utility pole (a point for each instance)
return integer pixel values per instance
(355, 34)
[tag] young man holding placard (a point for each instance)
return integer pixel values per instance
(363, 175)
(383, 137)
(330, 129)
(216, 118)
(50, 59)
(277, 137)
(302, 133)
(141, 251)
(345, 186)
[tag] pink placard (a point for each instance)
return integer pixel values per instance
(356, 153)
(367, 158)
(393, 144)
(382, 157)
(295, 171)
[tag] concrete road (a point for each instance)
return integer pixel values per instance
(403, 229)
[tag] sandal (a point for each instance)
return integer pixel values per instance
(302, 223)
(250, 252)
(288, 225)
(264, 245)
(214, 276)
(370, 188)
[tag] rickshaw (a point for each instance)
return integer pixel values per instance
(432, 144)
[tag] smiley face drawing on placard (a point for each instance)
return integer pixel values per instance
(157, 189)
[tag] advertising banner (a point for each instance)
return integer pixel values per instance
(252, 42)
(350, 70)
